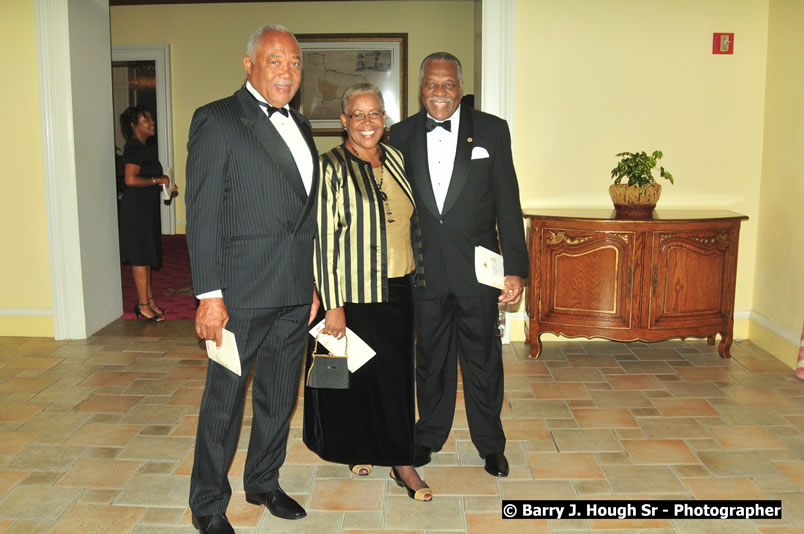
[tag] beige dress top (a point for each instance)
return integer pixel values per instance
(398, 209)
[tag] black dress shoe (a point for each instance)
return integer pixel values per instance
(422, 455)
(213, 524)
(278, 503)
(496, 465)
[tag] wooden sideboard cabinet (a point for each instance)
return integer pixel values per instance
(672, 275)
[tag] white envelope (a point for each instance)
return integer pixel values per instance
(479, 152)
(358, 350)
(227, 355)
(489, 267)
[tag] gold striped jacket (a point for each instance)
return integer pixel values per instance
(351, 257)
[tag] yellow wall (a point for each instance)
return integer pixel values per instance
(779, 287)
(25, 269)
(208, 41)
(597, 78)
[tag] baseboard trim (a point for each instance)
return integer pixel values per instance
(787, 335)
(26, 312)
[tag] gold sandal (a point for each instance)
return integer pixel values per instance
(357, 468)
(424, 494)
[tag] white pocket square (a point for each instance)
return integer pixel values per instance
(479, 152)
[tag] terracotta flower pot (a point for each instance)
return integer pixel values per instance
(631, 203)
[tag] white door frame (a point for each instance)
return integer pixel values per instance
(160, 55)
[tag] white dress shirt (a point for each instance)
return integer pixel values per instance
(441, 148)
(294, 139)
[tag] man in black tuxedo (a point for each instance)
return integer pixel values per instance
(252, 174)
(460, 167)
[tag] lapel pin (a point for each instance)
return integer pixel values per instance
(468, 139)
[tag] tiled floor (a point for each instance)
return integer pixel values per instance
(97, 436)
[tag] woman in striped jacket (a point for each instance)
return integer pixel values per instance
(365, 266)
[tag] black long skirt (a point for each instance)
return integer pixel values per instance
(372, 421)
(141, 226)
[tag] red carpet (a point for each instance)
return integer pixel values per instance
(172, 285)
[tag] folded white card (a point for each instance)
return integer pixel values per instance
(479, 152)
(358, 351)
(489, 267)
(227, 354)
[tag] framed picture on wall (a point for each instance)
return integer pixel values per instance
(331, 62)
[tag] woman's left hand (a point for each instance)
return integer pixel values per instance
(335, 323)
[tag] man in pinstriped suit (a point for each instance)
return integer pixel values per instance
(252, 174)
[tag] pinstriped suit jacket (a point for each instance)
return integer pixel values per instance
(250, 223)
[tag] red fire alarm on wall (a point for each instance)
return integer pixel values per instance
(722, 43)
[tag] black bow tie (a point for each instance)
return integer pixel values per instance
(271, 110)
(431, 125)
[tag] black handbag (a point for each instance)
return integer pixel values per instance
(328, 371)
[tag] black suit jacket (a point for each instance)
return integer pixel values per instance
(481, 208)
(250, 227)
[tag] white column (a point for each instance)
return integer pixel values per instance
(498, 69)
(78, 150)
(55, 97)
(498, 63)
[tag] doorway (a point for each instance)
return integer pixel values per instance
(141, 76)
(133, 84)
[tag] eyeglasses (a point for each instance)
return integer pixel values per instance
(359, 115)
(448, 86)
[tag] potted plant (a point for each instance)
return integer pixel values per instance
(636, 198)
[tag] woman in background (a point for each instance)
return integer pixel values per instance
(140, 220)
(365, 266)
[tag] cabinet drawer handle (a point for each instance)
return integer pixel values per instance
(654, 279)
